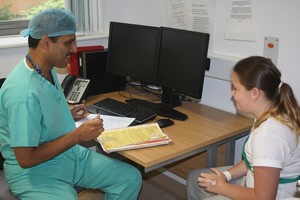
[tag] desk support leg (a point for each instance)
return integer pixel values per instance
(230, 149)
(211, 157)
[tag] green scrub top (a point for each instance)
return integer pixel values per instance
(33, 111)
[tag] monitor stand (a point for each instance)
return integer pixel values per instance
(170, 97)
(160, 108)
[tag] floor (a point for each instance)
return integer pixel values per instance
(156, 186)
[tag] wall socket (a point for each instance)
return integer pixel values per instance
(271, 46)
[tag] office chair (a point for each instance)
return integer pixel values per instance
(1, 81)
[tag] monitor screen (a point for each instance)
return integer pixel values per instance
(133, 51)
(182, 63)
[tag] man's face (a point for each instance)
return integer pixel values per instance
(61, 50)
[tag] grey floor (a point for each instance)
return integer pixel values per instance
(156, 186)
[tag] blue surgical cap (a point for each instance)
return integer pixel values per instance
(51, 22)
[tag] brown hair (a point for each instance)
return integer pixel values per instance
(33, 43)
(260, 72)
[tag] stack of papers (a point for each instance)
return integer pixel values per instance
(118, 136)
(133, 137)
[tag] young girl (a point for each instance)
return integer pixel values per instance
(271, 165)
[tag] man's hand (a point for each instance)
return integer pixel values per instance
(90, 130)
(79, 112)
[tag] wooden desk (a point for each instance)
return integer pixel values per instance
(204, 130)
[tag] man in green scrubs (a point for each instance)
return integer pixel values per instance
(38, 137)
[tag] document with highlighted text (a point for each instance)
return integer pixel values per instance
(133, 137)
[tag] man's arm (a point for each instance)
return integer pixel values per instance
(30, 156)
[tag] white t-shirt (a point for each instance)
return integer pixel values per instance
(272, 144)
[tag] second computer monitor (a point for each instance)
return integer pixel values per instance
(182, 63)
(133, 51)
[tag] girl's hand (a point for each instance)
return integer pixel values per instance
(212, 182)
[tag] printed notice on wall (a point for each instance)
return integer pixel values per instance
(200, 15)
(241, 20)
(177, 14)
(194, 15)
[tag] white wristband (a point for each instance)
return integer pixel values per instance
(227, 175)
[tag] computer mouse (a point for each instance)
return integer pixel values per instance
(162, 123)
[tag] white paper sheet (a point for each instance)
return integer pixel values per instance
(177, 14)
(200, 15)
(241, 20)
(109, 122)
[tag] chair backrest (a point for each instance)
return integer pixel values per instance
(1, 161)
(1, 81)
(1, 158)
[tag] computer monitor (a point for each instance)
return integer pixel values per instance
(133, 51)
(182, 63)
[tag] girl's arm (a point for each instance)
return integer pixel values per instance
(239, 170)
(265, 181)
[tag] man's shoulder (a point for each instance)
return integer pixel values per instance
(17, 84)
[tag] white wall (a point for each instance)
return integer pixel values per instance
(274, 18)
(11, 56)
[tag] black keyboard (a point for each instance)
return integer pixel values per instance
(114, 107)
(160, 109)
